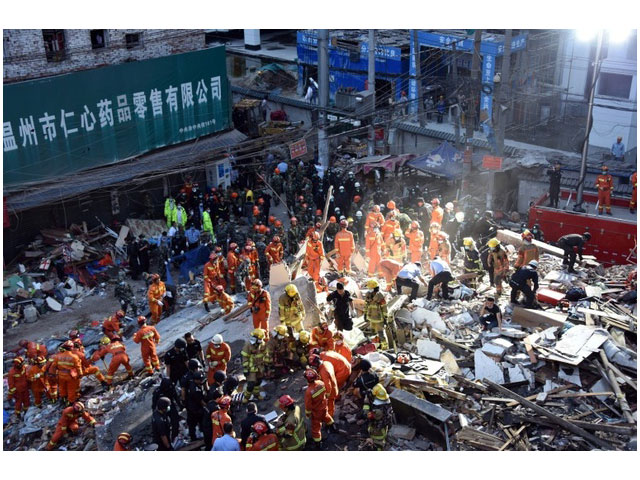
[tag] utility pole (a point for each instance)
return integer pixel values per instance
(585, 145)
(505, 93)
(416, 51)
(323, 94)
(454, 75)
(371, 84)
(474, 93)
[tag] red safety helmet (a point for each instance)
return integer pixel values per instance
(278, 223)
(120, 314)
(332, 219)
(272, 219)
(141, 319)
(260, 428)
(73, 334)
(248, 248)
(234, 194)
(68, 345)
(277, 170)
(262, 228)
(23, 343)
(314, 360)
(224, 401)
(391, 205)
(233, 246)
(218, 249)
(357, 198)
(310, 374)
(256, 227)
(18, 360)
(286, 401)
(78, 406)
(219, 288)
(319, 212)
(605, 168)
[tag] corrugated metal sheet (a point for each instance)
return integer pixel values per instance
(87, 181)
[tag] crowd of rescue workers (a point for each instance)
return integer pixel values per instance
(405, 242)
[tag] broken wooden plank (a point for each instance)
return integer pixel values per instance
(478, 439)
(620, 397)
(512, 438)
(554, 418)
(470, 383)
(624, 429)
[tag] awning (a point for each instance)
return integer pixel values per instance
(445, 161)
(388, 162)
(86, 181)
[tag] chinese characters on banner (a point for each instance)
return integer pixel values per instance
(298, 149)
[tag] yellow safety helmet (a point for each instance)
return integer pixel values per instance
(493, 243)
(258, 333)
(397, 233)
(281, 330)
(105, 340)
(372, 283)
(467, 241)
(380, 392)
(304, 336)
(291, 290)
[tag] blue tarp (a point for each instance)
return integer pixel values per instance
(445, 161)
(190, 261)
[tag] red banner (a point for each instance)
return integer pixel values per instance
(492, 163)
(298, 149)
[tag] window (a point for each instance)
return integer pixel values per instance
(133, 40)
(614, 85)
(98, 39)
(54, 45)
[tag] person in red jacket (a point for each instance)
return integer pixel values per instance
(32, 350)
(220, 417)
(119, 356)
(315, 404)
(37, 377)
(328, 376)
(260, 440)
(148, 337)
(341, 347)
(87, 367)
(218, 354)
(111, 326)
(314, 254)
(68, 423)
(123, 442)
(341, 366)
(217, 294)
(321, 337)
(260, 302)
(604, 182)
(19, 385)
(232, 265)
(274, 251)
(68, 367)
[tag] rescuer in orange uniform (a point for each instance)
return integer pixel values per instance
(37, 377)
(253, 272)
(374, 216)
(122, 442)
(260, 302)
(396, 247)
(527, 251)
(218, 354)
(68, 423)
(87, 367)
(232, 265)
(434, 230)
(148, 337)
(119, 356)
(32, 350)
(345, 245)
(261, 441)
(634, 194)
(328, 375)
(220, 417)
(437, 213)
(373, 247)
(390, 226)
(253, 256)
(68, 367)
(111, 326)
(19, 385)
(341, 366)
(391, 206)
(217, 294)
(389, 269)
(313, 256)
(274, 251)
(321, 337)
(315, 404)
(444, 247)
(416, 241)
(341, 347)
(155, 295)
(604, 182)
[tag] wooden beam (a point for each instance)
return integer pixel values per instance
(554, 418)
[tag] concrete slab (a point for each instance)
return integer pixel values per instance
(450, 363)
(429, 349)
(570, 375)
(485, 367)
(493, 350)
(518, 373)
(402, 431)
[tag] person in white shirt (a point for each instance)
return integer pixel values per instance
(440, 275)
(408, 276)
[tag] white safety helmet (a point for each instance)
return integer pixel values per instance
(217, 339)
(533, 264)
(359, 214)
(357, 185)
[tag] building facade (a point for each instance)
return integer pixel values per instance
(615, 103)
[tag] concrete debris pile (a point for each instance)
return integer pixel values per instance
(558, 377)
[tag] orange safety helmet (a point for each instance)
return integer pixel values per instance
(310, 374)
(234, 194)
(224, 401)
(319, 212)
(256, 211)
(357, 198)
(124, 438)
(332, 219)
(262, 228)
(233, 246)
(256, 227)
(278, 223)
(272, 219)
(141, 319)
(213, 256)
(391, 205)
(277, 170)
